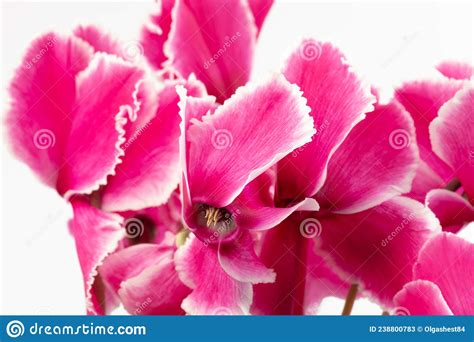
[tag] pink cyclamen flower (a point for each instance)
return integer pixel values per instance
(227, 188)
(215, 40)
(88, 122)
(441, 286)
(442, 111)
(355, 168)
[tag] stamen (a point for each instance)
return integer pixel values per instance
(219, 220)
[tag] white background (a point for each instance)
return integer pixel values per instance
(387, 43)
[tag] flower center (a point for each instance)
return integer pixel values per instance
(215, 224)
(216, 219)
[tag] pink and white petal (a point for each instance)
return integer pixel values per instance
(239, 260)
(338, 101)
(150, 169)
(377, 248)
(260, 9)
(252, 131)
(99, 40)
(452, 137)
(155, 33)
(423, 99)
(421, 297)
(376, 162)
(42, 93)
(425, 180)
(215, 40)
(96, 234)
(153, 286)
(255, 207)
(104, 99)
(452, 210)
(447, 260)
(146, 103)
(130, 262)
(456, 70)
(214, 291)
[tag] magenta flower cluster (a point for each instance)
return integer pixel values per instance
(196, 191)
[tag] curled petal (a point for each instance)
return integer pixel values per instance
(214, 291)
(43, 93)
(376, 162)
(338, 100)
(145, 280)
(452, 137)
(97, 234)
(423, 99)
(155, 33)
(215, 40)
(239, 260)
(452, 210)
(150, 169)
(446, 260)
(421, 297)
(104, 99)
(243, 138)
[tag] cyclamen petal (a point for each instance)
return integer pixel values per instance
(452, 137)
(452, 210)
(144, 278)
(96, 234)
(239, 260)
(155, 33)
(376, 162)
(421, 297)
(377, 248)
(215, 40)
(456, 70)
(99, 40)
(338, 101)
(260, 9)
(255, 206)
(425, 180)
(43, 94)
(150, 169)
(104, 99)
(423, 99)
(244, 137)
(445, 260)
(214, 291)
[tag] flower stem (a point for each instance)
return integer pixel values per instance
(350, 299)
